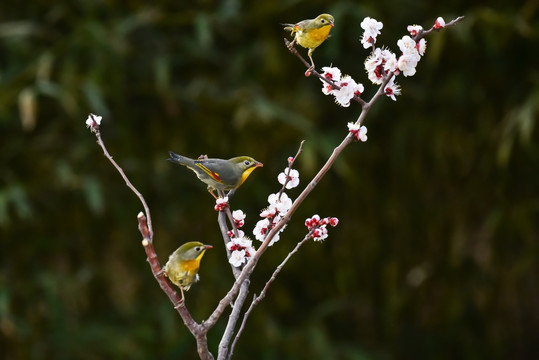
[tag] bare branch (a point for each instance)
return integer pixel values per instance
(127, 182)
(262, 295)
(232, 321)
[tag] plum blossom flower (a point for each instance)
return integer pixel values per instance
(237, 258)
(241, 249)
(239, 218)
(439, 23)
(331, 73)
(93, 122)
(290, 175)
(262, 228)
(231, 234)
(375, 65)
(320, 233)
(268, 213)
(421, 46)
(392, 89)
(349, 89)
(358, 131)
(407, 64)
(372, 30)
(278, 207)
(407, 45)
(221, 203)
(391, 64)
(414, 29)
(281, 203)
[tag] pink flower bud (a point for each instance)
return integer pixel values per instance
(333, 221)
(440, 23)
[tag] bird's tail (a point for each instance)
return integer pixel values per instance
(288, 27)
(182, 160)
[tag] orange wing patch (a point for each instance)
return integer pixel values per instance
(215, 176)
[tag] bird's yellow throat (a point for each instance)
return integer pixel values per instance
(192, 265)
(320, 34)
(246, 174)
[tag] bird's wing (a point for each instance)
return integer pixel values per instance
(214, 175)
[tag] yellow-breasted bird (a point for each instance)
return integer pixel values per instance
(219, 174)
(182, 265)
(311, 33)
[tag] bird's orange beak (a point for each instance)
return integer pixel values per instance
(259, 164)
(208, 247)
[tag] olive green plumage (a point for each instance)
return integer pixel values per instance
(219, 174)
(182, 265)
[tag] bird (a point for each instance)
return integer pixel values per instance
(311, 33)
(182, 265)
(219, 174)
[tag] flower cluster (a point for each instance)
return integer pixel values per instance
(241, 248)
(93, 122)
(277, 209)
(358, 131)
(289, 178)
(279, 204)
(318, 227)
(380, 64)
(221, 203)
(372, 30)
(345, 87)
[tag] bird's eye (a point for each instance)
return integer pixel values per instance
(197, 248)
(247, 163)
(322, 21)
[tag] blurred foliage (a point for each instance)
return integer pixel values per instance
(435, 257)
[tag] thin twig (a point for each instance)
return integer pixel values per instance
(127, 182)
(422, 33)
(290, 163)
(223, 352)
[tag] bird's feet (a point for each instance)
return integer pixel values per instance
(180, 304)
(161, 272)
(290, 45)
(309, 70)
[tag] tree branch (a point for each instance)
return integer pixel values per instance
(257, 299)
(145, 228)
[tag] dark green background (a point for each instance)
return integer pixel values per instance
(436, 254)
